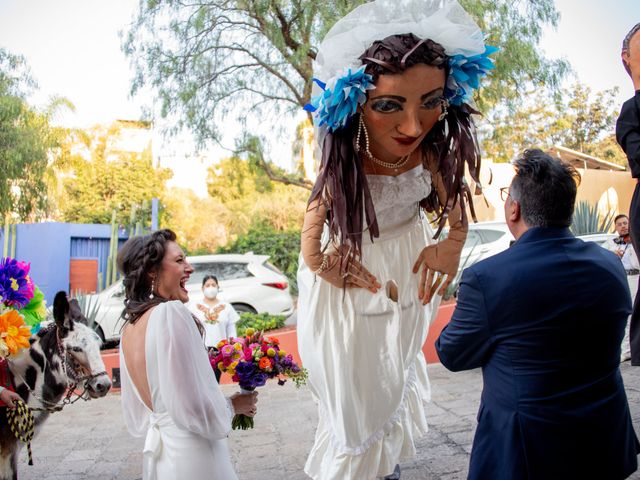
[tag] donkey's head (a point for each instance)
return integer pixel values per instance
(80, 347)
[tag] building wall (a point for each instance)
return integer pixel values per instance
(607, 189)
(48, 247)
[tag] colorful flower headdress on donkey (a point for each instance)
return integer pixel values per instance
(341, 76)
(22, 306)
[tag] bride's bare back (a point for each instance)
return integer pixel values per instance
(133, 347)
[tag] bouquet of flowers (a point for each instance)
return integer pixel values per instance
(252, 360)
(22, 306)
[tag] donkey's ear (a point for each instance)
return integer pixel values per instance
(61, 310)
(75, 312)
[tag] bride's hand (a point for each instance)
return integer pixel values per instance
(356, 276)
(245, 404)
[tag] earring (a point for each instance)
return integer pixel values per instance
(362, 128)
(445, 109)
(152, 287)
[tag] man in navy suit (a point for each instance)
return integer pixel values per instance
(544, 319)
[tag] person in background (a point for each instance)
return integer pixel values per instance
(622, 247)
(219, 318)
(628, 136)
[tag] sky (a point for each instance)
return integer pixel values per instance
(73, 49)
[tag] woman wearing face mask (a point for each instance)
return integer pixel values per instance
(219, 318)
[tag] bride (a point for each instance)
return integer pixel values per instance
(169, 392)
(395, 131)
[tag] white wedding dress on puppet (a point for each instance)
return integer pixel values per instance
(363, 351)
(187, 429)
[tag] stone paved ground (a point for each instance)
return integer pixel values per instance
(89, 440)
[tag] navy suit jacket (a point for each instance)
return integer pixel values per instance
(545, 319)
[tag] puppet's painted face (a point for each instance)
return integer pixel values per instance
(402, 109)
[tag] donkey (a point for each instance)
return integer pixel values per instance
(63, 355)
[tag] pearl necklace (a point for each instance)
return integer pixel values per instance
(393, 166)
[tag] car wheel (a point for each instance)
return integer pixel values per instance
(243, 308)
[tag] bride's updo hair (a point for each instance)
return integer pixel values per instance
(138, 257)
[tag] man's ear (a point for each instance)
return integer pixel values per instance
(514, 213)
(625, 61)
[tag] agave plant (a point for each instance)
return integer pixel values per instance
(89, 305)
(587, 220)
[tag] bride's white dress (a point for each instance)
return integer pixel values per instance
(187, 429)
(364, 351)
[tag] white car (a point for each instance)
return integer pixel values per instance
(488, 238)
(598, 238)
(248, 282)
(484, 239)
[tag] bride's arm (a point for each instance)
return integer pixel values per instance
(186, 380)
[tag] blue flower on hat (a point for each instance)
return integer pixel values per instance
(465, 74)
(336, 105)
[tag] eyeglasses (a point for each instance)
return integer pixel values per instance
(504, 193)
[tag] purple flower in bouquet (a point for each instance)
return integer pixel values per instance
(16, 288)
(251, 361)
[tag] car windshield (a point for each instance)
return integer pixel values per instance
(221, 270)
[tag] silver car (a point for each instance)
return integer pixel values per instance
(248, 282)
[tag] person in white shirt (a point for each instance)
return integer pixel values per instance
(622, 247)
(219, 318)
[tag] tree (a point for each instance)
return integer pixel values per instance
(201, 224)
(205, 58)
(25, 141)
(246, 190)
(215, 60)
(576, 119)
(111, 181)
(516, 28)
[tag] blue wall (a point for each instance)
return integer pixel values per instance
(50, 246)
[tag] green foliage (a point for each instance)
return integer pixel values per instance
(587, 220)
(516, 28)
(111, 180)
(260, 322)
(577, 120)
(207, 59)
(283, 248)
(25, 141)
(252, 198)
(218, 60)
